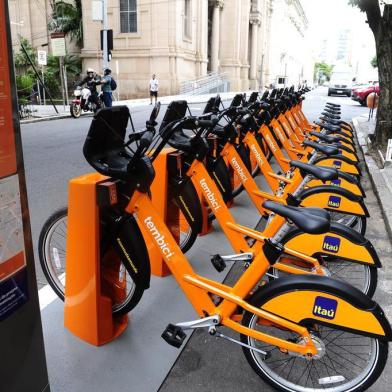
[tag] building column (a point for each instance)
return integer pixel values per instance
(255, 21)
(215, 39)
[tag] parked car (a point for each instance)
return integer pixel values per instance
(341, 81)
(360, 94)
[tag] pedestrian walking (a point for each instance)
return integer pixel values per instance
(154, 86)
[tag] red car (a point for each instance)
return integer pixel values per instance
(361, 93)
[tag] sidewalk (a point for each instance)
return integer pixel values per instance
(47, 112)
(381, 178)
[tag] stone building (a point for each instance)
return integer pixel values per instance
(290, 60)
(185, 40)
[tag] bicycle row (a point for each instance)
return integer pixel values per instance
(302, 306)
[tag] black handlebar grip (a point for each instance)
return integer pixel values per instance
(208, 123)
(146, 139)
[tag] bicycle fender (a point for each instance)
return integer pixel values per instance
(340, 242)
(333, 198)
(305, 299)
(131, 247)
(187, 200)
(220, 174)
(341, 182)
(339, 162)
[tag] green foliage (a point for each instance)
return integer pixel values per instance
(26, 77)
(24, 84)
(72, 63)
(323, 71)
(374, 62)
(67, 18)
(52, 83)
(20, 60)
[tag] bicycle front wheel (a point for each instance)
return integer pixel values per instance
(116, 280)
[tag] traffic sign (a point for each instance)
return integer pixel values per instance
(42, 57)
(58, 44)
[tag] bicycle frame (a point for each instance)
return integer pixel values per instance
(231, 155)
(296, 182)
(284, 162)
(235, 232)
(198, 288)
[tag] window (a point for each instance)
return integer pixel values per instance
(128, 16)
(187, 19)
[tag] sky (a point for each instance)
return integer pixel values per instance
(327, 16)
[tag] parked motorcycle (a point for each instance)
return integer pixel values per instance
(82, 102)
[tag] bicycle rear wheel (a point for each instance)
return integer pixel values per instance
(346, 361)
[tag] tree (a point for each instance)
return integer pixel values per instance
(322, 71)
(381, 26)
(373, 62)
(67, 18)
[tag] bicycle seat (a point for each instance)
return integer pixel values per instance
(180, 141)
(323, 173)
(219, 131)
(310, 220)
(330, 121)
(329, 115)
(328, 127)
(323, 148)
(324, 137)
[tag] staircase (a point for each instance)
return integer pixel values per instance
(211, 83)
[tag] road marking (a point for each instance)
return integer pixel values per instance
(46, 295)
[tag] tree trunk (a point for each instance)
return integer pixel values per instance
(383, 37)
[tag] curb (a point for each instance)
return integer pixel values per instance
(136, 103)
(380, 186)
(40, 119)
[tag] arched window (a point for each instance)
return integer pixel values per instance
(128, 16)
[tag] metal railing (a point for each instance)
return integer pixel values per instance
(214, 82)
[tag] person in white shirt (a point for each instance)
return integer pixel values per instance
(154, 85)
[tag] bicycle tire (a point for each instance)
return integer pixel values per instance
(53, 280)
(270, 376)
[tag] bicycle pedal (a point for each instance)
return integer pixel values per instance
(174, 335)
(218, 263)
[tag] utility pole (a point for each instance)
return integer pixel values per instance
(105, 62)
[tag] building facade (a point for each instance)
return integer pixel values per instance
(290, 57)
(252, 42)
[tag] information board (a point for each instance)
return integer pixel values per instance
(13, 286)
